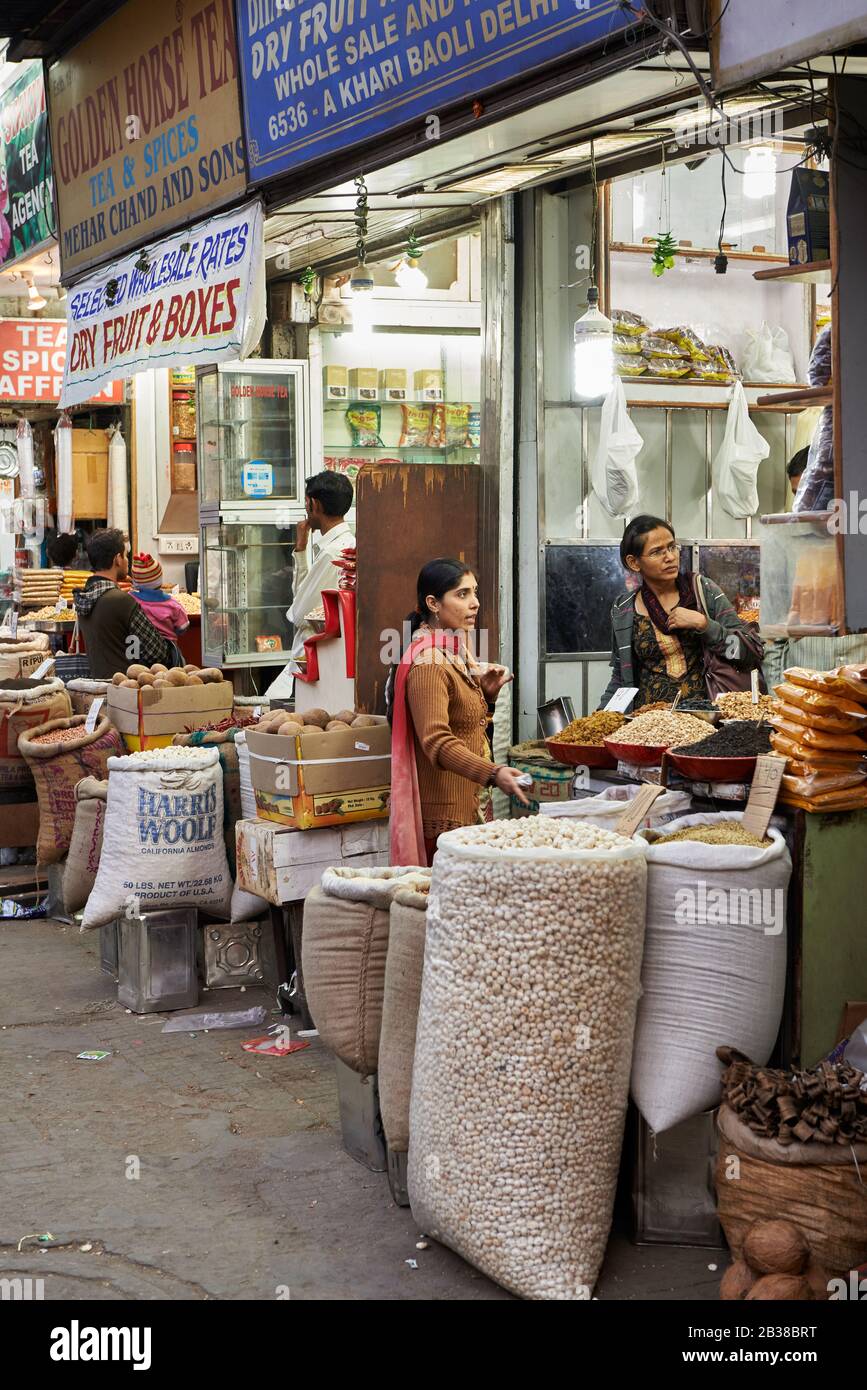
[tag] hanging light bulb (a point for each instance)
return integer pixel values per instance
(760, 172)
(408, 273)
(593, 351)
(34, 298)
(362, 318)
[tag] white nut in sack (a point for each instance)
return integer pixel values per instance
(531, 978)
(163, 837)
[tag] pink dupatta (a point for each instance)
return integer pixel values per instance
(405, 824)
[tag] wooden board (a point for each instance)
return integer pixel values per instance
(406, 515)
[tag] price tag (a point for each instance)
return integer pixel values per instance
(176, 589)
(622, 698)
(13, 624)
(93, 714)
(638, 809)
(60, 605)
(754, 686)
(43, 669)
(257, 711)
(763, 793)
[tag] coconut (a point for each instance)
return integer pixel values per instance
(336, 726)
(737, 1281)
(177, 677)
(775, 1247)
(364, 721)
(290, 728)
(136, 670)
(345, 716)
(784, 1288)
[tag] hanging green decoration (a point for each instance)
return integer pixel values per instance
(307, 280)
(664, 247)
(413, 250)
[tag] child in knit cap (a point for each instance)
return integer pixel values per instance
(166, 614)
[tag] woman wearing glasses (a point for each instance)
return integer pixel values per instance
(664, 628)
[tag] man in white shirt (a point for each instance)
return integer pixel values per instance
(328, 497)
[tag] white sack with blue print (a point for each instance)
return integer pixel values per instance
(163, 842)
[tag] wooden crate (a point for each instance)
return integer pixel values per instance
(90, 474)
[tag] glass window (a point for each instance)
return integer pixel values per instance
(249, 572)
(258, 427)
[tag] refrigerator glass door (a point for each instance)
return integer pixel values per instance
(248, 570)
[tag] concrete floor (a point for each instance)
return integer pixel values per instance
(244, 1191)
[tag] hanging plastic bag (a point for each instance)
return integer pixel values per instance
(24, 449)
(768, 356)
(613, 473)
(63, 473)
(737, 463)
(118, 496)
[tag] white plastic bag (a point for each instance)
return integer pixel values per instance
(24, 449)
(768, 356)
(613, 474)
(63, 473)
(737, 463)
(118, 492)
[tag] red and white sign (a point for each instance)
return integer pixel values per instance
(32, 358)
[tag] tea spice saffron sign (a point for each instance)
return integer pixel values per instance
(26, 184)
(320, 77)
(145, 126)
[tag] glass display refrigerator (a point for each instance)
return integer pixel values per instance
(253, 435)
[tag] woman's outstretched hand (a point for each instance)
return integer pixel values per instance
(507, 780)
(493, 680)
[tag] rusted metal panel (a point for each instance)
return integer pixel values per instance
(407, 514)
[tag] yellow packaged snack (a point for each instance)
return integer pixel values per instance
(670, 366)
(627, 364)
(655, 346)
(685, 338)
(623, 343)
(625, 322)
(417, 426)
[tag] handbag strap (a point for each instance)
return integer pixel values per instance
(698, 588)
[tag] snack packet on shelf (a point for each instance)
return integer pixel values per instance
(417, 426)
(625, 344)
(627, 364)
(655, 346)
(364, 422)
(684, 338)
(625, 322)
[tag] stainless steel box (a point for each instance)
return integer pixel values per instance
(238, 953)
(108, 949)
(157, 961)
(360, 1120)
(673, 1194)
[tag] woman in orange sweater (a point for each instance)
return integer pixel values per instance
(443, 701)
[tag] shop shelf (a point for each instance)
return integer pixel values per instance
(353, 401)
(805, 396)
(814, 273)
(625, 248)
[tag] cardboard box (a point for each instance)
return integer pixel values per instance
(392, 384)
(179, 710)
(551, 780)
(315, 780)
(429, 385)
(19, 823)
(808, 217)
(90, 474)
(364, 383)
(335, 383)
(282, 865)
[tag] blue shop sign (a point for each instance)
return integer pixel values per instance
(320, 76)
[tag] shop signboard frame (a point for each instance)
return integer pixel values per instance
(145, 128)
(26, 175)
(360, 85)
(752, 41)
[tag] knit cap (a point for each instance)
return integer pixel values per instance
(146, 572)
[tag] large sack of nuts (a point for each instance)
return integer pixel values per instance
(401, 995)
(21, 656)
(23, 705)
(344, 947)
(85, 846)
(818, 1186)
(531, 979)
(59, 754)
(163, 840)
(714, 966)
(224, 742)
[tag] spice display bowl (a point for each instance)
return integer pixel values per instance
(580, 754)
(714, 769)
(645, 754)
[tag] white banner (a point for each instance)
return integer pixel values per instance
(200, 299)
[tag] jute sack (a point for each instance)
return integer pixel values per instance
(163, 839)
(714, 967)
(23, 705)
(83, 691)
(85, 846)
(401, 995)
(57, 768)
(20, 657)
(821, 1188)
(344, 947)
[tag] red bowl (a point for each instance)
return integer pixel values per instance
(714, 769)
(580, 754)
(649, 754)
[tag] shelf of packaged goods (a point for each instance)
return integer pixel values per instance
(805, 396)
(401, 448)
(813, 273)
(354, 404)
